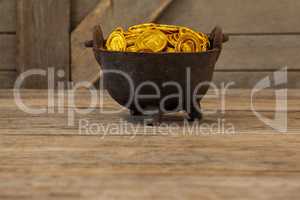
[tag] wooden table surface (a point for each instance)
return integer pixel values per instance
(42, 157)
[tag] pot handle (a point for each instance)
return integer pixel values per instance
(218, 38)
(98, 39)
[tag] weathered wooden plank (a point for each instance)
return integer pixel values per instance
(8, 11)
(80, 9)
(252, 163)
(253, 154)
(8, 52)
(185, 167)
(248, 79)
(7, 79)
(128, 187)
(237, 107)
(235, 100)
(46, 42)
(120, 13)
(8, 16)
(261, 52)
(236, 16)
(17, 122)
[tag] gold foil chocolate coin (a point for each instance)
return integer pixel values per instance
(167, 28)
(171, 50)
(153, 40)
(141, 27)
(188, 43)
(116, 41)
(173, 39)
(131, 49)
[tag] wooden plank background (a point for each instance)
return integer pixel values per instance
(43, 39)
(237, 16)
(8, 13)
(8, 16)
(263, 38)
(8, 52)
(264, 35)
(8, 43)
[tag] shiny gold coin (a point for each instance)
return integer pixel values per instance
(141, 27)
(171, 50)
(205, 46)
(131, 49)
(203, 35)
(154, 40)
(189, 43)
(206, 39)
(116, 41)
(128, 34)
(150, 37)
(173, 39)
(203, 38)
(189, 46)
(167, 28)
(131, 39)
(183, 31)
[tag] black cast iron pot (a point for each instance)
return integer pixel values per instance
(128, 75)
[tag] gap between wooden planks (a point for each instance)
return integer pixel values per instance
(237, 112)
(83, 64)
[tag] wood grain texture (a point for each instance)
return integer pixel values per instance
(236, 100)
(261, 52)
(8, 16)
(236, 16)
(240, 155)
(83, 63)
(169, 187)
(121, 13)
(80, 9)
(8, 52)
(7, 79)
(43, 158)
(8, 12)
(248, 79)
(237, 108)
(46, 42)
(96, 124)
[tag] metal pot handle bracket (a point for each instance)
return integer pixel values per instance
(218, 38)
(98, 39)
(97, 42)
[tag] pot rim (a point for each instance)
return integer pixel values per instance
(101, 50)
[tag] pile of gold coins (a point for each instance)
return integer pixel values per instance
(153, 38)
